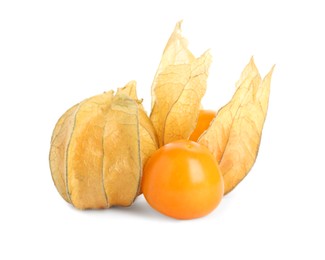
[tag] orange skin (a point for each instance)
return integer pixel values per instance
(204, 120)
(182, 180)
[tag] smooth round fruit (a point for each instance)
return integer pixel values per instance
(182, 180)
(204, 120)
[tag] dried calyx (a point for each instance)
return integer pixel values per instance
(177, 89)
(235, 134)
(98, 150)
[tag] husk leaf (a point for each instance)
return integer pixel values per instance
(177, 90)
(234, 135)
(122, 157)
(84, 153)
(148, 137)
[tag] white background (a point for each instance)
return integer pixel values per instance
(54, 54)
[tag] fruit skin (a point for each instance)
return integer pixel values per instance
(182, 180)
(204, 120)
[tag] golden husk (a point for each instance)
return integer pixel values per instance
(98, 150)
(234, 135)
(177, 90)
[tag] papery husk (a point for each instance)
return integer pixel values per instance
(148, 137)
(177, 89)
(98, 149)
(234, 135)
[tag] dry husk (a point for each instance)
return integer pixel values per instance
(177, 89)
(98, 149)
(234, 135)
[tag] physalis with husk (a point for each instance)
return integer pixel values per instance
(98, 150)
(100, 146)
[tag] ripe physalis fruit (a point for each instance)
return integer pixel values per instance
(182, 180)
(203, 123)
(98, 149)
